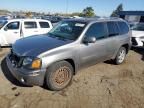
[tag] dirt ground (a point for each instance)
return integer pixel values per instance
(104, 85)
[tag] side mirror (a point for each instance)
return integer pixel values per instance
(89, 39)
(5, 28)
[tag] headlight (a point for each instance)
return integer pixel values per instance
(36, 64)
(31, 63)
(27, 61)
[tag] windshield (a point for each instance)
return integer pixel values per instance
(2, 23)
(138, 27)
(68, 30)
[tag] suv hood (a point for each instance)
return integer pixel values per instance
(137, 33)
(35, 45)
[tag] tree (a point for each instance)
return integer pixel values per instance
(75, 14)
(29, 14)
(88, 12)
(118, 9)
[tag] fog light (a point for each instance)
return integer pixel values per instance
(35, 74)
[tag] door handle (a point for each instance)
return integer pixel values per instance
(35, 31)
(15, 32)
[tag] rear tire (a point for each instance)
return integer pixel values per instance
(59, 75)
(120, 57)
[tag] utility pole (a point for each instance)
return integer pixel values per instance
(66, 6)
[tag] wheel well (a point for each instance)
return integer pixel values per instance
(126, 46)
(68, 60)
(72, 63)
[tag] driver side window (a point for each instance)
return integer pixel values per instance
(97, 30)
(13, 26)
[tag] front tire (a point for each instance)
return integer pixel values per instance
(59, 75)
(120, 57)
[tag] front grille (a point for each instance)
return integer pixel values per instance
(134, 42)
(15, 59)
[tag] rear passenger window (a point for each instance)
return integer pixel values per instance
(112, 29)
(30, 25)
(98, 30)
(123, 28)
(44, 24)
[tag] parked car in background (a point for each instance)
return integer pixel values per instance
(53, 19)
(133, 24)
(2, 23)
(70, 46)
(4, 17)
(12, 30)
(56, 19)
(138, 35)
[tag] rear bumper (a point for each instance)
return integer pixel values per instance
(27, 77)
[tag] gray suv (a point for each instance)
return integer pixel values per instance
(73, 44)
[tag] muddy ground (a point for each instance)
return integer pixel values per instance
(104, 85)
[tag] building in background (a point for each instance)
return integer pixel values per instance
(132, 16)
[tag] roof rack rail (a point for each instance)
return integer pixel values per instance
(110, 18)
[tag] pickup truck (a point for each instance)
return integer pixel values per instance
(12, 30)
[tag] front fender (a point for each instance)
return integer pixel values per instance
(3, 40)
(70, 53)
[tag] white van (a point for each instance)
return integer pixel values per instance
(12, 30)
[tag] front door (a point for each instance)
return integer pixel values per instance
(12, 32)
(92, 53)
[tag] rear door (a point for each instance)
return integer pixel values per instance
(113, 42)
(30, 28)
(125, 33)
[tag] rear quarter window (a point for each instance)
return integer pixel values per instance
(123, 28)
(44, 24)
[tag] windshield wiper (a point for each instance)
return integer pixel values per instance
(58, 36)
(51, 35)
